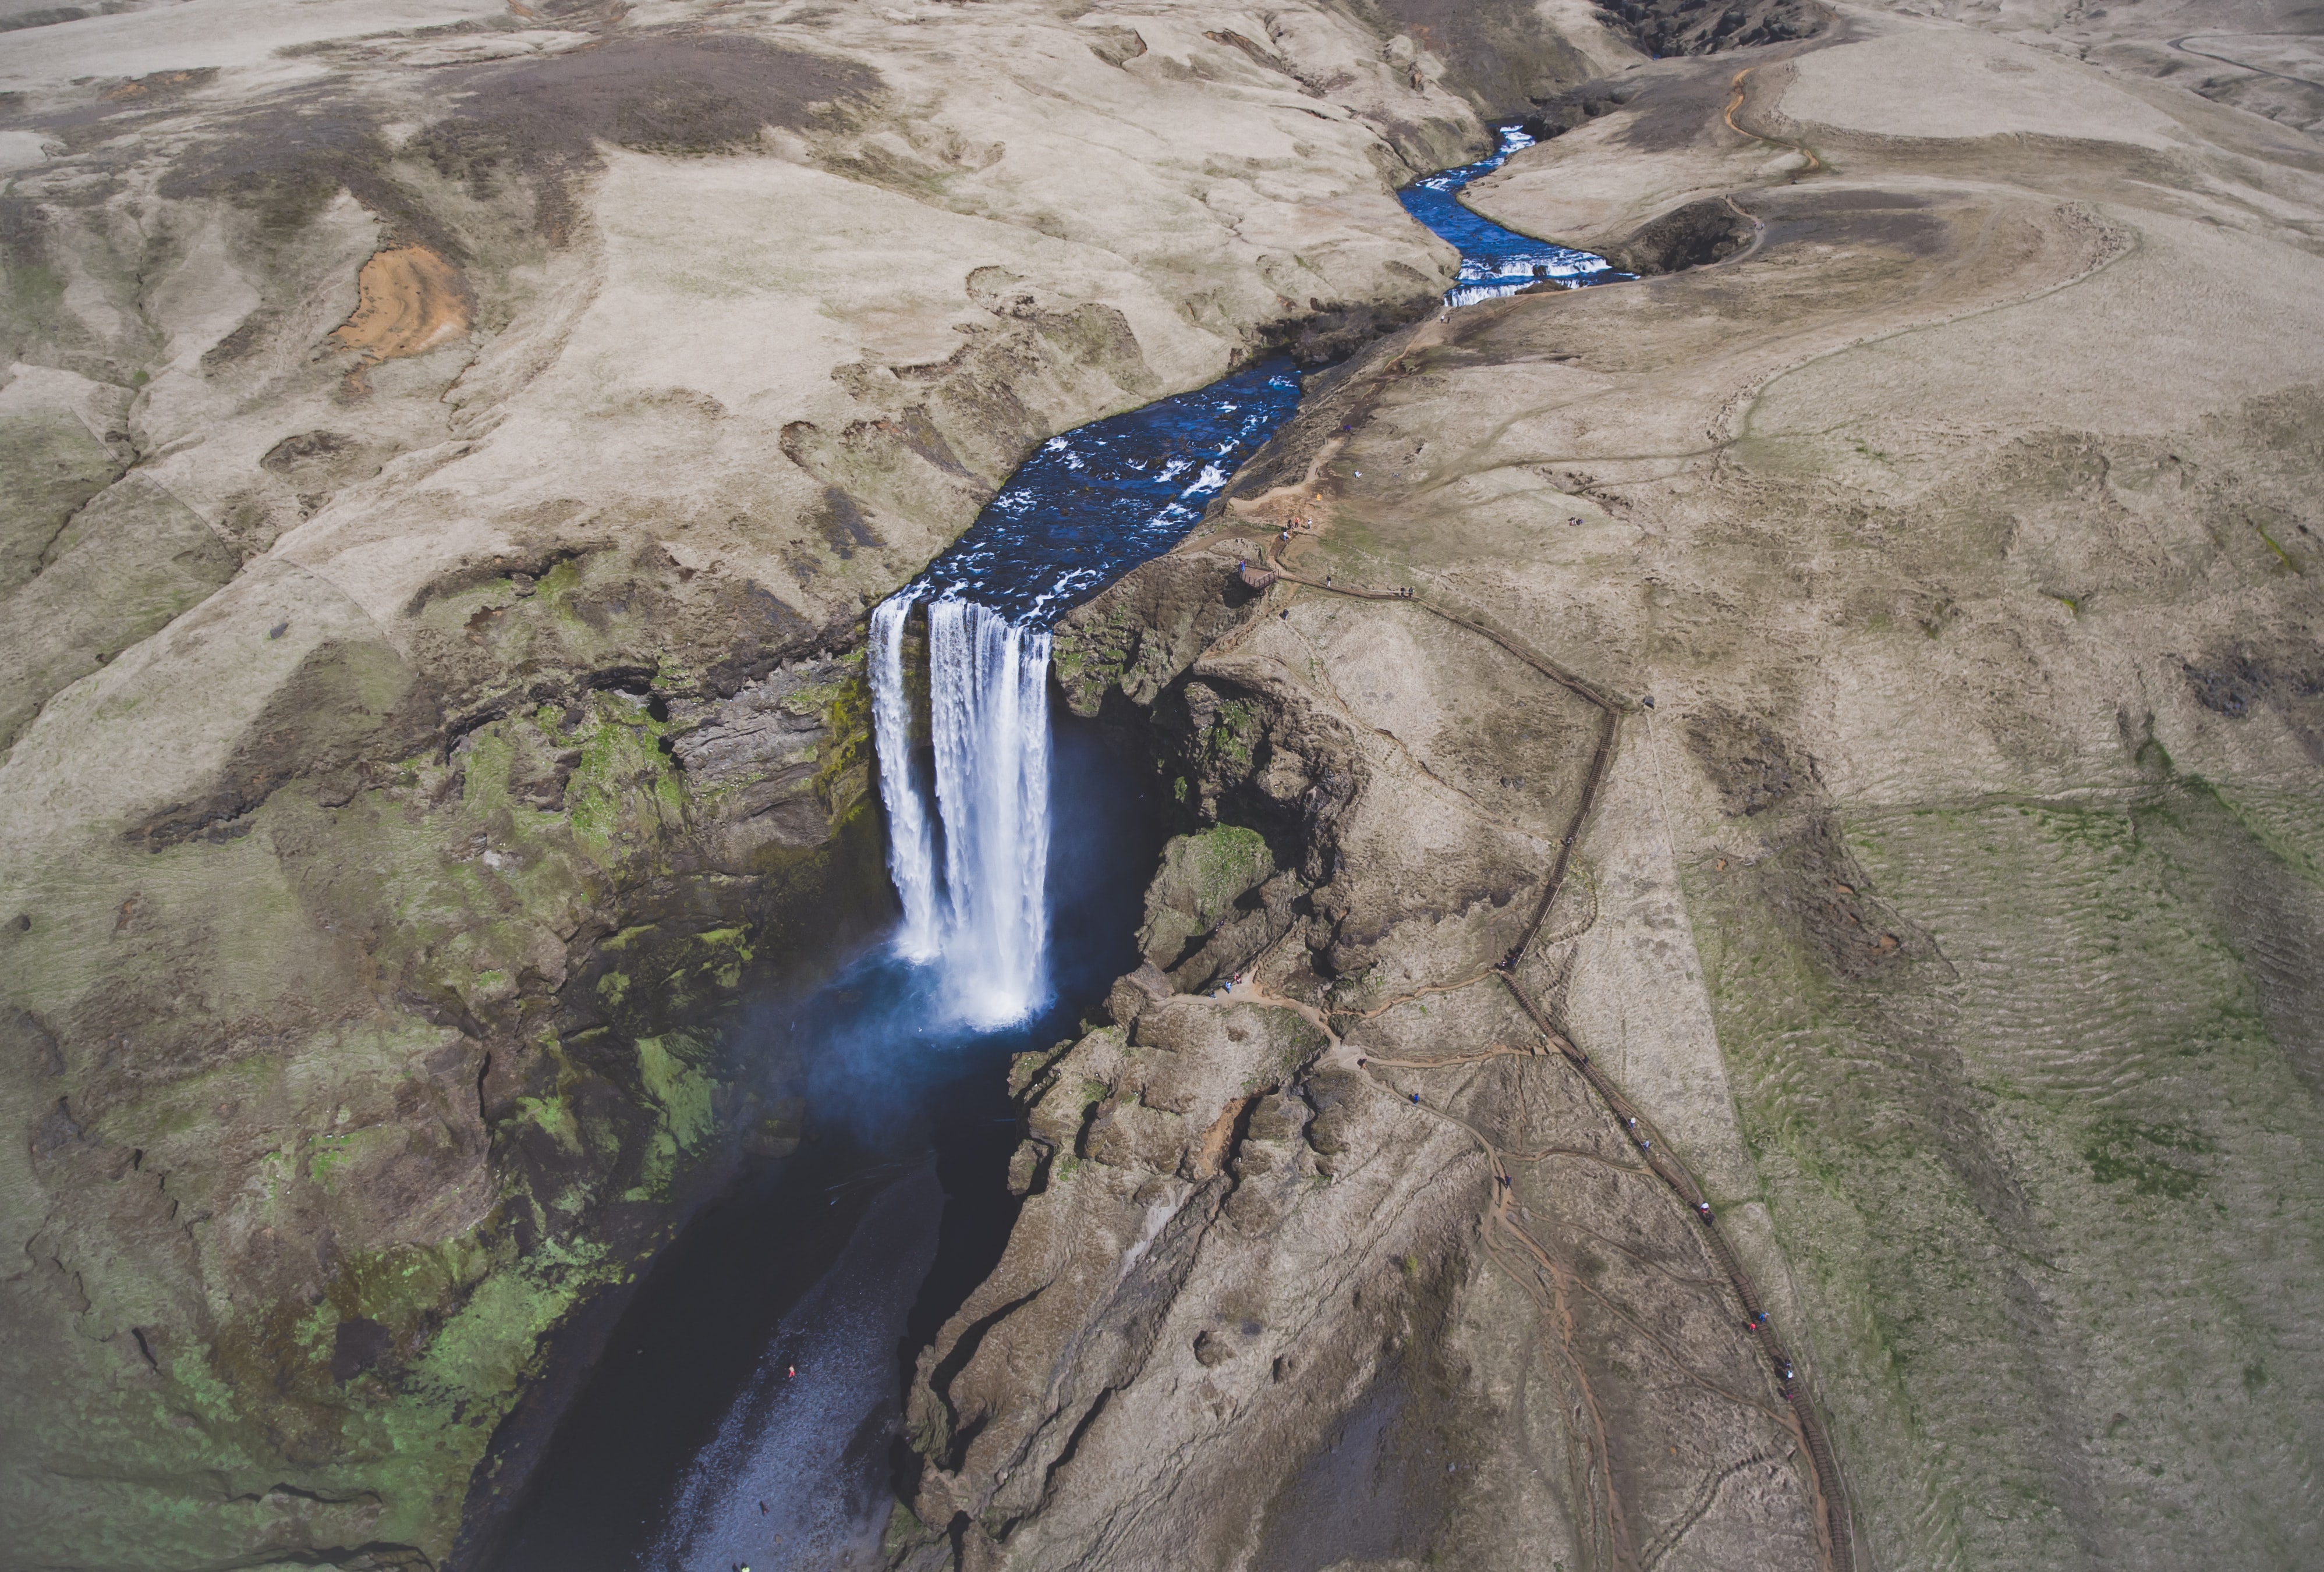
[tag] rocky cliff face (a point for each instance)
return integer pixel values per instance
(448, 453)
(1940, 564)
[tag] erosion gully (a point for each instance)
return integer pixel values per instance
(746, 1410)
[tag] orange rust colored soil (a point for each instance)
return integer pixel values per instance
(408, 302)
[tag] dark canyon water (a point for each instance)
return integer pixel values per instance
(836, 1262)
(746, 1409)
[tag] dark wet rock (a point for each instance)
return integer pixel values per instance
(1700, 27)
(1691, 236)
(1556, 113)
(2238, 678)
(762, 762)
(1752, 768)
(359, 1345)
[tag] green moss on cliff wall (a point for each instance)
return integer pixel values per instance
(1201, 877)
(299, 1276)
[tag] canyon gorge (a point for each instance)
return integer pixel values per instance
(1672, 924)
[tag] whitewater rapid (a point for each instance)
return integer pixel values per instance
(1496, 262)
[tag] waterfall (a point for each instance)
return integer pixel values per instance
(981, 916)
(911, 839)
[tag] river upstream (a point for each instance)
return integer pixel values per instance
(746, 1410)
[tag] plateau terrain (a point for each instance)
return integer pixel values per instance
(1737, 979)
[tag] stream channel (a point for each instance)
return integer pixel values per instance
(746, 1410)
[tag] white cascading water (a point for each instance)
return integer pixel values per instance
(911, 839)
(984, 923)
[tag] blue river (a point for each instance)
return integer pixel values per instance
(1095, 503)
(1494, 261)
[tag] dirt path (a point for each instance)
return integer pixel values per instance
(1814, 165)
(1834, 1526)
(2179, 44)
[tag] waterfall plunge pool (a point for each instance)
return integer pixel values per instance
(841, 1261)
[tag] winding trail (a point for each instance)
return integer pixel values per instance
(1814, 165)
(1835, 1529)
(2179, 43)
(2091, 245)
